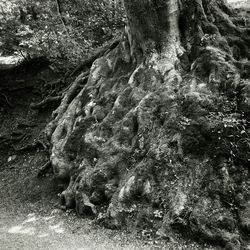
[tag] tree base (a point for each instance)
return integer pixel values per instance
(159, 142)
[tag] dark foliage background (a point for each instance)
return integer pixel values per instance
(59, 29)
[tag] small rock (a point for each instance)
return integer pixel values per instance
(57, 211)
(12, 158)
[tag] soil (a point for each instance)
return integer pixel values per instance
(30, 214)
(31, 219)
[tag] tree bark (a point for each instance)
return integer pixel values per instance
(153, 25)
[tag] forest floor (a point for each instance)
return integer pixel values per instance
(30, 215)
(30, 218)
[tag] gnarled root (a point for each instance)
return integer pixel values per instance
(46, 102)
(150, 137)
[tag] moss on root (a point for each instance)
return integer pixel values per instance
(167, 139)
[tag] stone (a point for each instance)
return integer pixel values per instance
(12, 158)
(57, 211)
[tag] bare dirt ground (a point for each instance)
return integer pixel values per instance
(30, 218)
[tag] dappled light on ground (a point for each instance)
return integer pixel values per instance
(38, 226)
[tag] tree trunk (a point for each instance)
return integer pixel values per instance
(160, 129)
(153, 25)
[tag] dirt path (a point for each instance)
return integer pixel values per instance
(29, 219)
(33, 231)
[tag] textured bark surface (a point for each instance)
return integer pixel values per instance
(153, 25)
(151, 137)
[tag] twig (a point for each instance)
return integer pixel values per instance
(17, 88)
(31, 146)
(44, 103)
(11, 139)
(44, 169)
(22, 124)
(57, 82)
(7, 100)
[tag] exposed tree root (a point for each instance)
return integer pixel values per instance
(149, 137)
(21, 125)
(46, 102)
(69, 96)
(84, 75)
(88, 63)
(10, 139)
(15, 88)
(33, 145)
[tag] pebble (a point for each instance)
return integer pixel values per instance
(57, 212)
(12, 158)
